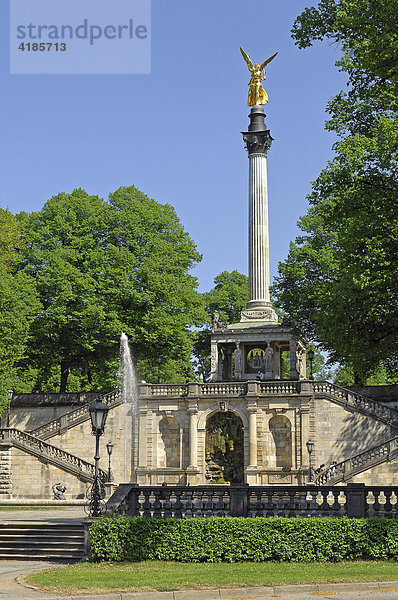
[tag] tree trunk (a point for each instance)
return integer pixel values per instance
(64, 376)
(89, 374)
(357, 380)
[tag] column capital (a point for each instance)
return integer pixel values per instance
(192, 407)
(252, 406)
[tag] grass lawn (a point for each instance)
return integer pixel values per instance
(166, 576)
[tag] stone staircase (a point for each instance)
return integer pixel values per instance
(42, 541)
(5, 472)
(74, 417)
(51, 454)
(346, 469)
(356, 402)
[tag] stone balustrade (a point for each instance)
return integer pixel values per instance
(230, 389)
(53, 454)
(242, 500)
(74, 417)
(358, 463)
(357, 402)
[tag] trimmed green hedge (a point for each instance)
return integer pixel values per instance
(230, 539)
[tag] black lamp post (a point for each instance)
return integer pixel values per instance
(159, 360)
(10, 395)
(109, 448)
(311, 355)
(310, 448)
(98, 413)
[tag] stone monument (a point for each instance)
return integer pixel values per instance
(253, 348)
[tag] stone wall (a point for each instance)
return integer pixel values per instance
(32, 478)
(79, 441)
(339, 433)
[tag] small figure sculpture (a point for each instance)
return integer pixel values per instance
(217, 323)
(58, 491)
(238, 358)
(257, 94)
(269, 355)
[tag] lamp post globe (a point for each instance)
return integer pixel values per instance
(98, 412)
(109, 449)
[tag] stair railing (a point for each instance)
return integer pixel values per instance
(74, 417)
(359, 462)
(59, 457)
(358, 402)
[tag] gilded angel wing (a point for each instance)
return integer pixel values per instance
(247, 58)
(267, 61)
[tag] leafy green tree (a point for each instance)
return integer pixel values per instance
(339, 282)
(102, 268)
(18, 306)
(228, 297)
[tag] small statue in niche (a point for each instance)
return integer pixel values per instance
(238, 359)
(59, 491)
(269, 358)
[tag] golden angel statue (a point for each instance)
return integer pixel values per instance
(257, 94)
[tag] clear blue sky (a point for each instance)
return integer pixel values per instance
(175, 134)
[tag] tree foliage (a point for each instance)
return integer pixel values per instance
(228, 297)
(18, 305)
(339, 282)
(101, 268)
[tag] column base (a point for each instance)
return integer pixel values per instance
(252, 475)
(193, 475)
(259, 310)
(142, 476)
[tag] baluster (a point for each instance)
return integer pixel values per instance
(146, 505)
(218, 503)
(259, 505)
(157, 505)
(388, 505)
(394, 503)
(166, 502)
(198, 503)
(270, 506)
(178, 505)
(291, 503)
(208, 504)
(376, 504)
(189, 506)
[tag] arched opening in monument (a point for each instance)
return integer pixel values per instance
(224, 448)
(169, 450)
(281, 430)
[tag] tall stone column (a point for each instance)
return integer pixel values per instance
(258, 141)
(252, 469)
(142, 469)
(193, 435)
(252, 410)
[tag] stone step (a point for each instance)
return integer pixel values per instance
(26, 541)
